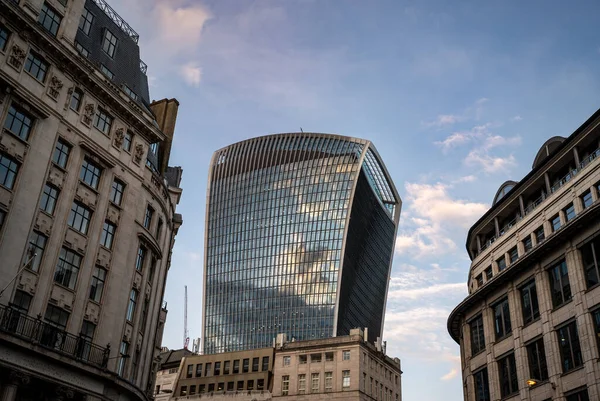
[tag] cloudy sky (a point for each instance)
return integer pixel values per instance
(457, 97)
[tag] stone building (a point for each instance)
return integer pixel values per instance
(168, 372)
(530, 326)
(87, 205)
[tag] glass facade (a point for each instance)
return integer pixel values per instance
(282, 210)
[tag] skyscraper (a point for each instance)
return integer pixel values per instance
(300, 232)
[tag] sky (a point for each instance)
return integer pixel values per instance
(457, 97)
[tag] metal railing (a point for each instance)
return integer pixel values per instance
(143, 67)
(116, 18)
(535, 204)
(18, 324)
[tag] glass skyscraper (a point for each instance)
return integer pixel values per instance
(300, 232)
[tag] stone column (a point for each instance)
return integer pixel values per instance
(9, 390)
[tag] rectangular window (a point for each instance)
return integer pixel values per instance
(315, 358)
(479, 280)
(35, 252)
(199, 370)
(540, 235)
(509, 383)
(49, 19)
(107, 72)
(501, 263)
(116, 192)
(527, 243)
(329, 356)
(285, 385)
(250, 385)
(108, 233)
(328, 382)
(569, 212)
(85, 23)
(555, 222)
(529, 302)
(477, 335)
(4, 34)
(245, 365)
(596, 319)
(345, 355)
(90, 173)
(345, 379)
(314, 387)
(513, 255)
(260, 384)
(559, 284)
(56, 316)
(537, 361)
(76, 98)
(97, 286)
(287, 360)
(130, 93)
(127, 139)
(265, 363)
(103, 121)
(482, 385)
(580, 395)
(67, 268)
(109, 43)
(236, 366)
(141, 256)
(489, 273)
(217, 368)
(240, 385)
(190, 371)
(82, 50)
(302, 384)
(502, 324)
(590, 254)
(586, 199)
(133, 295)
(148, 217)
(60, 157)
(183, 391)
(570, 350)
(79, 217)
(21, 301)
(226, 367)
(192, 389)
(255, 362)
(36, 66)
(18, 122)
(302, 359)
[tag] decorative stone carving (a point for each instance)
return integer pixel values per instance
(19, 377)
(119, 137)
(88, 113)
(69, 94)
(17, 56)
(139, 152)
(63, 392)
(55, 86)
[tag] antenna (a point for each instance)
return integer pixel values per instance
(301, 130)
(186, 337)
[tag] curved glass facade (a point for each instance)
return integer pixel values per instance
(279, 212)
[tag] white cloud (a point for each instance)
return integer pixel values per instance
(456, 139)
(433, 290)
(191, 73)
(466, 178)
(450, 375)
(472, 112)
(479, 158)
(516, 118)
(179, 27)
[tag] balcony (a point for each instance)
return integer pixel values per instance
(15, 323)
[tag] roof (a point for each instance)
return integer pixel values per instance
(172, 358)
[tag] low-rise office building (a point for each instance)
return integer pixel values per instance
(168, 372)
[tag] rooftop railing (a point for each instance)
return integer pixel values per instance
(116, 18)
(143, 67)
(18, 324)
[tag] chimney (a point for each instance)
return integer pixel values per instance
(366, 335)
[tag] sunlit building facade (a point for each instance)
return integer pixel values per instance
(300, 232)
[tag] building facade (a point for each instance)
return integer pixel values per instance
(87, 205)
(168, 373)
(530, 326)
(300, 232)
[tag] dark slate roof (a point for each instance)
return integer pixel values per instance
(125, 65)
(172, 358)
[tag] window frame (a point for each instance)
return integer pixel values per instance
(485, 385)
(512, 379)
(49, 199)
(67, 271)
(97, 284)
(591, 268)
(572, 335)
(103, 121)
(80, 217)
(556, 303)
(109, 44)
(132, 305)
(85, 24)
(529, 312)
(116, 192)
(24, 121)
(477, 343)
(63, 157)
(48, 12)
(4, 37)
(536, 360)
(35, 245)
(586, 195)
(502, 321)
(108, 234)
(78, 96)
(36, 66)
(555, 222)
(90, 173)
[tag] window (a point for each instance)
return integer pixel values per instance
(82, 50)
(127, 139)
(489, 273)
(539, 235)
(67, 268)
(482, 385)
(287, 360)
(302, 359)
(236, 366)
(596, 318)
(139, 261)
(345, 379)
(61, 153)
(285, 385)
(18, 122)
(226, 366)
(148, 216)
(250, 385)
(527, 243)
(501, 263)
(8, 171)
(35, 252)
(580, 395)
(129, 92)
(56, 316)
(76, 98)
(513, 255)
(108, 233)
(329, 356)
(116, 192)
(559, 284)
(190, 371)
(97, 286)
(79, 217)
(87, 334)
(302, 384)
(199, 370)
(49, 198)
(4, 34)
(570, 350)
(246, 365)
(133, 295)
(183, 391)
(255, 362)
(477, 335)
(555, 222)
(502, 324)
(211, 387)
(217, 371)
(529, 302)
(265, 363)
(590, 254)
(109, 43)
(21, 301)
(314, 387)
(192, 389)
(345, 355)
(106, 71)
(36, 66)
(102, 121)
(537, 360)
(49, 19)
(260, 384)
(315, 358)
(509, 384)
(240, 385)
(586, 199)
(479, 280)
(85, 23)
(90, 173)
(569, 212)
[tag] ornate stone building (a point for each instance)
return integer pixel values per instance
(87, 205)
(530, 327)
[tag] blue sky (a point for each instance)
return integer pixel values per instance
(457, 97)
